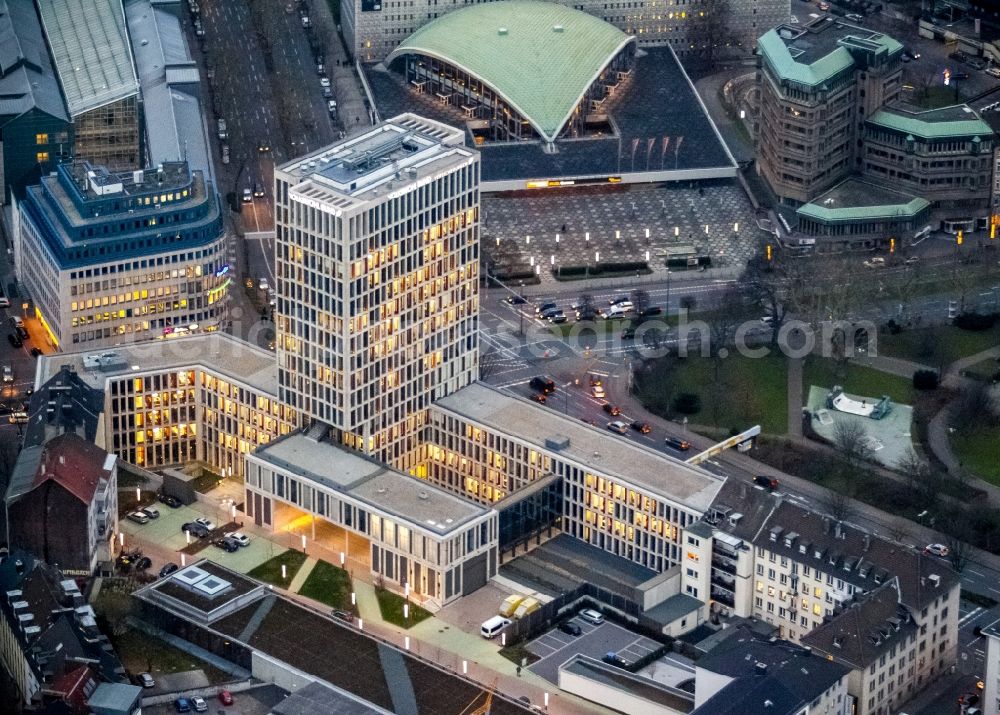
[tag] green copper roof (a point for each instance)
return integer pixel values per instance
(793, 63)
(935, 124)
(540, 57)
(854, 200)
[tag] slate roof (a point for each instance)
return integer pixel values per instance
(766, 671)
(27, 78)
(944, 123)
(866, 629)
(76, 464)
(540, 57)
(846, 551)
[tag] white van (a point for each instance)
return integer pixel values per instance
(493, 626)
(620, 309)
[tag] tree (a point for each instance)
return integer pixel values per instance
(640, 303)
(838, 505)
(688, 303)
(587, 309)
(767, 284)
(974, 407)
(958, 537)
(851, 439)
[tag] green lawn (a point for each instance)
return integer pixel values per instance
(391, 606)
(141, 653)
(939, 345)
(329, 584)
(270, 570)
(748, 391)
(977, 451)
(856, 380)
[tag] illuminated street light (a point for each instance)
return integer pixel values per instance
(342, 557)
(527, 240)
(736, 227)
(706, 228)
(303, 542)
(183, 559)
(597, 256)
(647, 256)
(618, 235)
(552, 260)
(121, 538)
(557, 239)
(586, 236)
(677, 231)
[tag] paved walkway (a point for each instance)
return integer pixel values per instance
(892, 365)
(795, 401)
(198, 652)
(302, 575)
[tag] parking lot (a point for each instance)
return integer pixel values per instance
(257, 701)
(555, 647)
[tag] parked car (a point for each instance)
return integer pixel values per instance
(613, 410)
(14, 340)
(936, 550)
(206, 522)
(993, 71)
(642, 427)
(591, 616)
(138, 517)
(343, 615)
(328, 94)
(618, 426)
(168, 569)
(182, 705)
(225, 697)
(146, 680)
(225, 153)
(143, 563)
(239, 537)
(227, 545)
(324, 81)
(35, 352)
(571, 628)
(195, 529)
(682, 445)
(172, 502)
(199, 703)
(151, 511)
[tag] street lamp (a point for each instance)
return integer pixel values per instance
(677, 231)
(586, 236)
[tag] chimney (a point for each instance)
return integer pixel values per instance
(761, 668)
(868, 543)
(826, 525)
(62, 459)
(838, 530)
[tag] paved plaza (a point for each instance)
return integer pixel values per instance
(675, 216)
(889, 438)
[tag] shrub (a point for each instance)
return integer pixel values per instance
(687, 403)
(975, 321)
(926, 379)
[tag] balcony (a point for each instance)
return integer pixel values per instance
(724, 598)
(723, 582)
(724, 565)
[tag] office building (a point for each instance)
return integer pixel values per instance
(696, 28)
(93, 61)
(409, 535)
(204, 398)
(377, 281)
(114, 258)
(990, 701)
(35, 129)
(817, 83)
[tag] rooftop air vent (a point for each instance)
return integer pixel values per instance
(558, 28)
(423, 494)
(502, 31)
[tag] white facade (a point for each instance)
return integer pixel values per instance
(990, 702)
(377, 271)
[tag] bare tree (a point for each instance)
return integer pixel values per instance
(766, 283)
(640, 303)
(838, 505)
(957, 539)
(688, 303)
(489, 362)
(974, 407)
(587, 309)
(850, 437)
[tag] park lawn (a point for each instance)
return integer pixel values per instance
(329, 584)
(749, 391)
(391, 606)
(270, 570)
(977, 451)
(950, 343)
(856, 380)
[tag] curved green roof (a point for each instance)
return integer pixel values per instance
(539, 56)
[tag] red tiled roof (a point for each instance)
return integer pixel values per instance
(74, 463)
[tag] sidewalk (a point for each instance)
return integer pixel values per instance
(302, 575)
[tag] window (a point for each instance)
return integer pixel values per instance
(42, 156)
(41, 138)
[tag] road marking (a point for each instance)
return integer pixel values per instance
(978, 573)
(971, 614)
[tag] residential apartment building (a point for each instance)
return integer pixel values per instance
(62, 503)
(377, 272)
(201, 398)
(817, 84)
(93, 61)
(412, 536)
(696, 28)
(112, 258)
(748, 673)
(806, 573)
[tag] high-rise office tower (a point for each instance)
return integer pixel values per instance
(377, 265)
